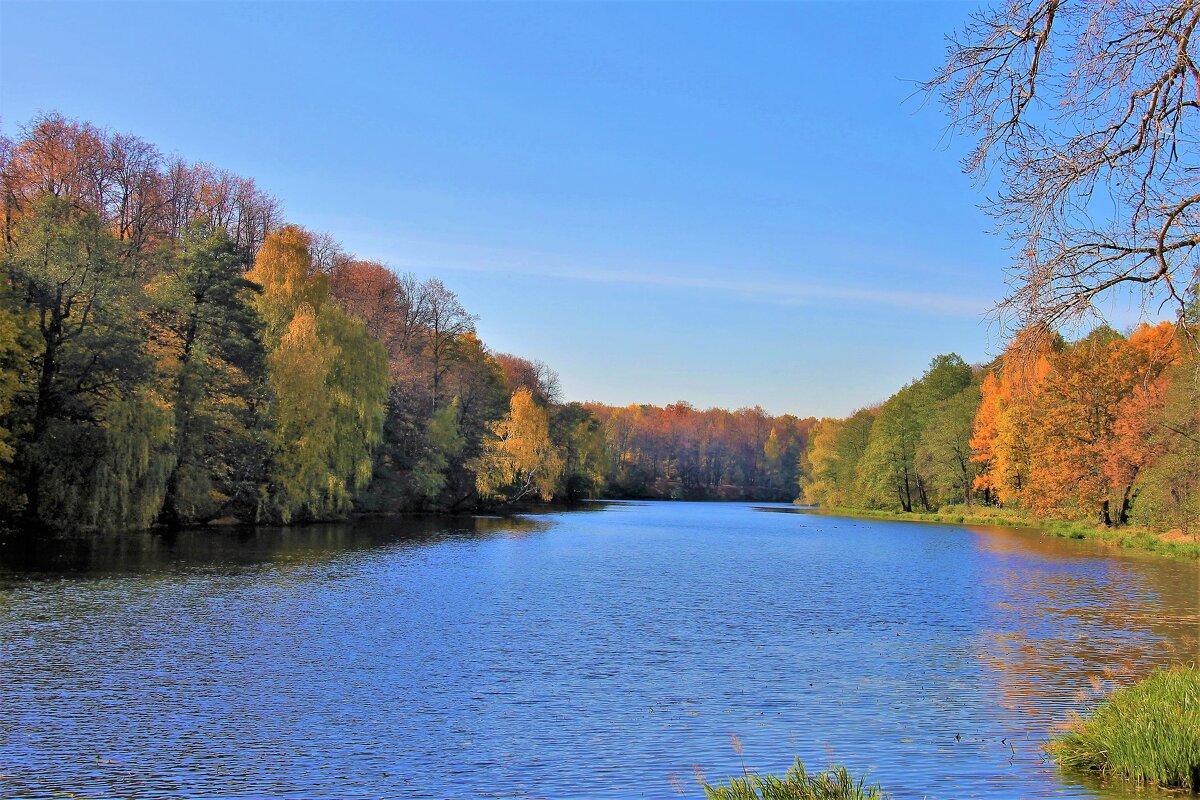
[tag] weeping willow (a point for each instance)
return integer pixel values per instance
(357, 383)
(131, 477)
(115, 474)
(329, 383)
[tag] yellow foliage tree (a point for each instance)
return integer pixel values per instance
(521, 459)
(284, 268)
(1000, 441)
(328, 380)
(820, 477)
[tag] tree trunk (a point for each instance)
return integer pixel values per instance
(43, 410)
(169, 514)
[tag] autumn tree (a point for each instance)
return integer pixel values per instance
(1001, 442)
(329, 382)
(1147, 368)
(537, 376)
(143, 200)
(432, 352)
(821, 480)
(521, 460)
(1076, 426)
(374, 294)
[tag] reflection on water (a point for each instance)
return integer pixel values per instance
(608, 654)
(216, 548)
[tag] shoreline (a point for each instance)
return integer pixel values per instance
(1126, 538)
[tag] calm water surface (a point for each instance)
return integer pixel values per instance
(608, 653)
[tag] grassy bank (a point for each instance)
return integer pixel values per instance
(1148, 733)
(1126, 537)
(834, 783)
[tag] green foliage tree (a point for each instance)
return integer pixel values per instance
(888, 472)
(580, 435)
(209, 337)
(12, 351)
(1168, 490)
(444, 443)
(83, 377)
(851, 448)
(944, 451)
(829, 477)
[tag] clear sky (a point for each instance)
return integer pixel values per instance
(729, 204)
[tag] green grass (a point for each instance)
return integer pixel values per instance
(834, 783)
(1129, 538)
(1148, 733)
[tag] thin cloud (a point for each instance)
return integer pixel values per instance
(778, 292)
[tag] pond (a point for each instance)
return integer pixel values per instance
(620, 651)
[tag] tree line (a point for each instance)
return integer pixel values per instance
(683, 452)
(172, 352)
(1106, 428)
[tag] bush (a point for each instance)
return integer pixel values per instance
(1148, 733)
(834, 783)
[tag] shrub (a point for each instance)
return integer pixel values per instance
(834, 783)
(1148, 733)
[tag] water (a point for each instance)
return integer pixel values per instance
(610, 653)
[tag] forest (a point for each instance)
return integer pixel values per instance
(173, 352)
(1105, 429)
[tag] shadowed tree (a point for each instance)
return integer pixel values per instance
(84, 359)
(209, 336)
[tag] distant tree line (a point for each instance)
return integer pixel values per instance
(172, 352)
(1105, 428)
(682, 452)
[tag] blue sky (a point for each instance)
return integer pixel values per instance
(730, 204)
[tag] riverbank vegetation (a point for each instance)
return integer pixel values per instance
(834, 783)
(172, 352)
(1098, 437)
(1098, 199)
(1128, 537)
(1148, 733)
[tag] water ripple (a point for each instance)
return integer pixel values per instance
(607, 654)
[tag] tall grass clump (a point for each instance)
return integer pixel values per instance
(1148, 733)
(834, 783)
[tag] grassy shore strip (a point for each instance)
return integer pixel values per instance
(1148, 733)
(834, 783)
(1126, 537)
